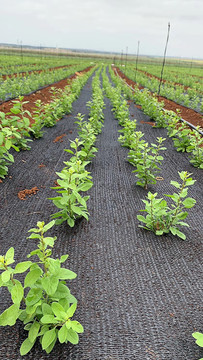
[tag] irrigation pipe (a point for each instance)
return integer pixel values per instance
(181, 119)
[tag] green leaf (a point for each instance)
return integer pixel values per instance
(180, 234)
(182, 175)
(189, 181)
(1, 138)
(65, 274)
(10, 315)
(46, 309)
(48, 319)
(54, 266)
(9, 256)
(8, 144)
(33, 332)
(199, 338)
(76, 210)
(50, 284)
(48, 226)
(44, 329)
(58, 310)
(31, 309)
(159, 232)
(182, 215)
(50, 347)
(176, 184)
(49, 241)
(173, 230)
(189, 203)
(76, 326)
(17, 293)
(65, 303)
(26, 347)
(33, 296)
(182, 223)
(85, 186)
(62, 334)
(61, 292)
(71, 222)
(22, 267)
(5, 276)
(34, 236)
(27, 326)
(48, 338)
(32, 277)
(184, 193)
(63, 258)
(72, 336)
(142, 218)
(71, 310)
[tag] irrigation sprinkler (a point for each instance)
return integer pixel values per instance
(162, 70)
(138, 45)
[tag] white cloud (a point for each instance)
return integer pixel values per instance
(105, 24)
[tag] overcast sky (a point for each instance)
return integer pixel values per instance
(107, 25)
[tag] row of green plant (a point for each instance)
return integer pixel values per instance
(190, 97)
(188, 77)
(142, 155)
(43, 302)
(15, 128)
(24, 75)
(24, 84)
(40, 64)
(14, 60)
(184, 138)
(161, 218)
(74, 179)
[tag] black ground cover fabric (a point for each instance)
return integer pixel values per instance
(139, 295)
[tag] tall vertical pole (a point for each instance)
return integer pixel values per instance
(138, 46)
(21, 50)
(121, 57)
(162, 70)
(126, 58)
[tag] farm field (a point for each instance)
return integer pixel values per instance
(139, 295)
(179, 84)
(190, 115)
(27, 77)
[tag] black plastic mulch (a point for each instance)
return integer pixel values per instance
(140, 296)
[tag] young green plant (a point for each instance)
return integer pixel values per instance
(146, 159)
(47, 307)
(162, 218)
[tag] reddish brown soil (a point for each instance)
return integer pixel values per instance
(147, 122)
(189, 115)
(27, 192)
(59, 138)
(44, 95)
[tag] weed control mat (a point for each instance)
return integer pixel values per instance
(139, 295)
